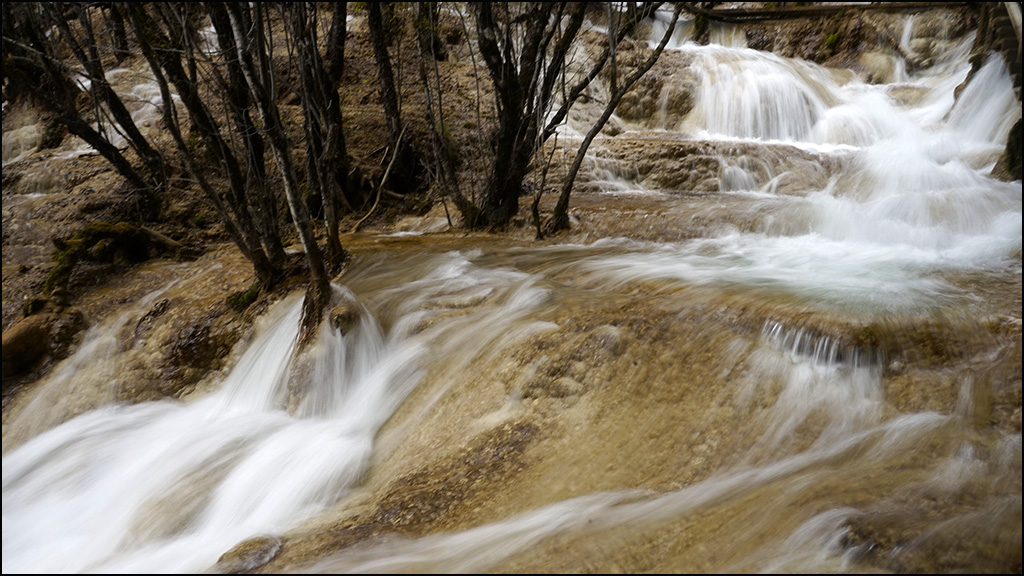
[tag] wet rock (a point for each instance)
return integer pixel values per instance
(155, 312)
(38, 338)
(437, 492)
(681, 166)
(907, 94)
(248, 555)
(610, 339)
(660, 99)
(344, 318)
(911, 541)
(194, 346)
(877, 67)
(197, 345)
(1008, 168)
(563, 387)
(24, 344)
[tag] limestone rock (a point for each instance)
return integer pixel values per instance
(36, 338)
(248, 555)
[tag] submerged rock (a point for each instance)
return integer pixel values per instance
(344, 318)
(248, 555)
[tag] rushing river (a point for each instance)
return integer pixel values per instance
(816, 369)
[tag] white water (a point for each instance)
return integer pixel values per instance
(914, 203)
(140, 95)
(913, 199)
(168, 487)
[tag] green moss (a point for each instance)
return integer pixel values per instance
(120, 242)
(833, 38)
(241, 300)
(33, 305)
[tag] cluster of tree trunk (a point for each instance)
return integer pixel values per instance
(229, 119)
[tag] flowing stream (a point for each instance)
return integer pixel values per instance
(815, 369)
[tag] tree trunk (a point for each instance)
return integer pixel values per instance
(444, 155)
(508, 170)
(241, 230)
(28, 64)
(266, 271)
(326, 156)
(118, 34)
(232, 207)
(405, 174)
(259, 78)
(261, 198)
(336, 42)
(560, 218)
(90, 59)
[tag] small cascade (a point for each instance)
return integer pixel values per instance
(141, 96)
(988, 107)
(750, 94)
(611, 176)
(829, 389)
(22, 133)
(82, 382)
(217, 470)
(805, 344)
(284, 437)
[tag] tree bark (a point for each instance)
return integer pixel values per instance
(266, 271)
(90, 59)
(326, 156)
(523, 86)
(235, 217)
(444, 159)
(336, 42)
(261, 198)
(31, 69)
(406, 171)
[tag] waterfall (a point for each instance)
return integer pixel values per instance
(178, 484)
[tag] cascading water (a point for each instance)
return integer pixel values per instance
(192, 480)
(784, 393)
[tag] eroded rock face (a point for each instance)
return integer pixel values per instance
(687, 166)
(39, 338)
(864, 40)
(195, 342)
(1008, 167)
(662, 97)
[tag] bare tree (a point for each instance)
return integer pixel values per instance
(32, 68)
(560, 218)
(252, 36)
(406, 174)
(526, 47)
(446, 175)
(159, 32)
(327, 163)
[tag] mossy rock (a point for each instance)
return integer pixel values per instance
(239, 301)
(120, 243)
